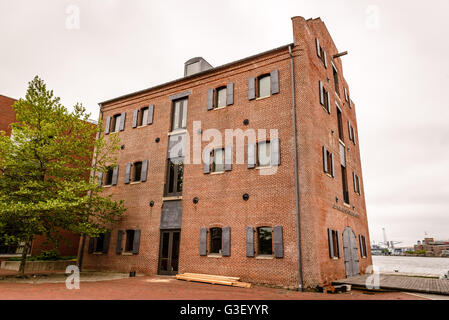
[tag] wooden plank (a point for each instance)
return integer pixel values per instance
(210, 279)
(211, 276)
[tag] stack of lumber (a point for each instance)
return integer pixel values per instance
(213, 279)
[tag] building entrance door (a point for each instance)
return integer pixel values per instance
(169, 252)
(351, 254)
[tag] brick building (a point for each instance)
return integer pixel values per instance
(286, 207)
(433, 248)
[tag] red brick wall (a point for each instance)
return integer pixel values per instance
(272, 200)
(67, 247)
(7, 114)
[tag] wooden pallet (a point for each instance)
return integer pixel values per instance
(213, 279)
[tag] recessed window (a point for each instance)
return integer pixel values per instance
(363, 252)
(334, 250)
(220, 97)
(115, 123)
(356, 182)
(108, 177)
(263, 86)
(328, 162)
(215, 240)
(179, 115)
(340, 124)
(218, 156)
(337, 86)
(264, 241)
(344, 184)
(137, 171)
(129, 241)
(143, 117)
(263, 154)
(99, 243)
(175, 174)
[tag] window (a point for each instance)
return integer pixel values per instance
(335, 73)
(334, 247)
(264, 241)
(356, 182)
(218, 160)
(137, 171)
(99, 243)
(143, 117)
(344, 185)
(328, 162)
(351, 132)
(321, 53)
(129, 244)
(175, 174)
(263, 86)
(263, 154)
(346, 94)
(340, 124)
(220, 97)
(325, 100)
(115, 123)
(108, 178)
(215, 240)
(179, 115)
(362, 241)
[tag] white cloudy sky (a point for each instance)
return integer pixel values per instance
(397, 69)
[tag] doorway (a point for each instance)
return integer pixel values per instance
(169, 252)
(350, 251)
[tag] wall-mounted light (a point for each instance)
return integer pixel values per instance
(195, 200)
(157, 140)
(246, 122)
(151, 203)
(122, 146)
(245, 196)
(336, 199)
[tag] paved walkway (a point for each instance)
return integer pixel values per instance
(401, 283)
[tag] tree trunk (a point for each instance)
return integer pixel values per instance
(26, 247)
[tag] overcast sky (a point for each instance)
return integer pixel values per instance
(397, 69)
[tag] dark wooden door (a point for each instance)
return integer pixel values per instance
(350, 252)
(169, 252)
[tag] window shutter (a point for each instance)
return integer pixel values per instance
(249, 242)
(114, 176)
(90, 248)
(328, 102)
(230, 94)
(119, 247)
(100, 179)
(361, 246)
(136, 242)
(332, 165)
(107, 238)
(203, 241)
(108, 124)
(251, 88)
(150, 114)
(206, 161)
(318, 51)
(338, 244)
(210, 99)
(143, 176)
(122, 121)
(358, 184)
(275, 152)
(349, 102)
(274, 76)
(350, 130)
(321, 93)
(251, 155)
(278, 243)
(128, 172)
(353, 134)
(346, 93)
(228, 158)
(325, 59)
(354, 181)
(325, 159)
(331, 245)
(135, 116)
(226, 248)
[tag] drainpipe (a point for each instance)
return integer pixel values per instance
(296, 159)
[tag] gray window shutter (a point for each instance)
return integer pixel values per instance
(228, 158)
(328, 102)
(206, 161)
(354, 181)
(135, 116)
(350, 130)
(321, 92)
(274, 76)
(90, 248)
(108, 124)
(318, 51)
(325, 59)
(119, 247)
(346, 93)
(338, 245)
(143, 176)
(100, 179)
(122, 121)
(210, 99)
(107, 238)
(251, 155)
(114, 176)
(332, 165)
(136, 242)
(275, 152)
(150, 114)
(325, 159)
(251, 88)
(226, 246)
(250, 242)
(331, 246)
(230, 94)
(203, 241)
(128, 172)
(278, 242)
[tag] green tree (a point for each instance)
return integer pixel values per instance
(48, 180)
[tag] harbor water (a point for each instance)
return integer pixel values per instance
(412, 265)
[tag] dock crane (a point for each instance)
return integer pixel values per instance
(389, 244)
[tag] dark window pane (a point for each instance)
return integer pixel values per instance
(99, 243)
(264, 240)
(340, 124)
(215, 240)
(137, 171)
(129, 240)
(109, 174)
(344, 185)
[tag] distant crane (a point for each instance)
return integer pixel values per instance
(389, 244)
